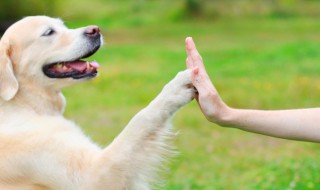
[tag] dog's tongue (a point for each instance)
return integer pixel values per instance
(77, 65)
(81, 65)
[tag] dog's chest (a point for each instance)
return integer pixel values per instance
(51, 152)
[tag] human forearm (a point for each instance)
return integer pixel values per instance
(296, 124)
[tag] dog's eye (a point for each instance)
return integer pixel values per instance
(48, 32)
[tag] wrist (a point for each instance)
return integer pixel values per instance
(223, 117)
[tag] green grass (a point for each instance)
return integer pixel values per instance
(254, 63)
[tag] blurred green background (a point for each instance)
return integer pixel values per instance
(260, 54)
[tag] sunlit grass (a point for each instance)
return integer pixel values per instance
(264, 64)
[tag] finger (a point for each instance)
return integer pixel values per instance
(189, 63)
(192, 50)
(189, 45)
(202, 82)
(194, 55)
(199, 71)
(195, 71)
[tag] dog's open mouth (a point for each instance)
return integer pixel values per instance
(73, 69)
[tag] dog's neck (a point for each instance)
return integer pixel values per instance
(38, 100)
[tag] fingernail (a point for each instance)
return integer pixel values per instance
(189, 38)
(196, 70)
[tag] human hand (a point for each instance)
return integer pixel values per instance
(208, 97)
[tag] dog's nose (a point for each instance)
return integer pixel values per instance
(92, 31)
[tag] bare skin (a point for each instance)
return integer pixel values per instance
(295, 124)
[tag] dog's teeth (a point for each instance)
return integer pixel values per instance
(64, 67)
(59, 65)
(88, 65)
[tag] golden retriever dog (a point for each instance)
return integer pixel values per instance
(39, 148)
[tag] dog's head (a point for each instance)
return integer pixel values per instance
(43, 51)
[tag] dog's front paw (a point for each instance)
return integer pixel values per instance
(180, 90)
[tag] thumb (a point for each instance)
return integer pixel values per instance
(198, 81)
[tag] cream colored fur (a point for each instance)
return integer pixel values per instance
(41, 150)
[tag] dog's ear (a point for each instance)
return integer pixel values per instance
(8, 82)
